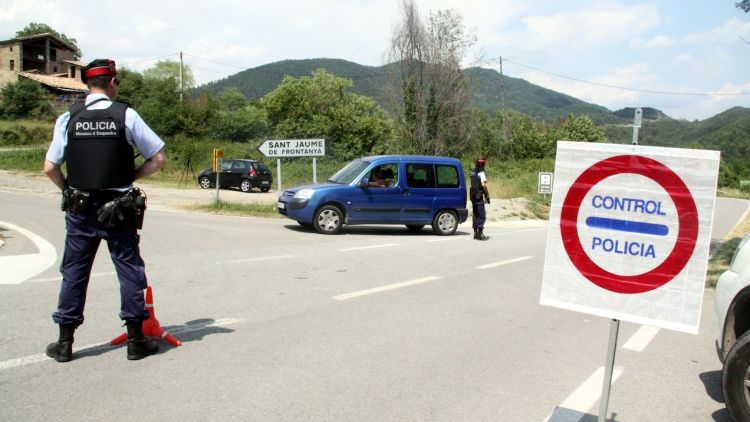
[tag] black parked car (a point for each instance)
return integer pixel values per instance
(243, 174)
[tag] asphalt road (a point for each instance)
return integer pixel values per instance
(282, 324)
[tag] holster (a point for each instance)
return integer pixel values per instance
(132, 204)
(74, 200)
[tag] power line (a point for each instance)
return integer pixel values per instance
(149, 60)
(214, 61)
(627, 88)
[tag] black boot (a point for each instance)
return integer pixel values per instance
(138, 345)
(62, 349)
(480, 235)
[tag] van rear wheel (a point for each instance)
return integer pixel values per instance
(445, 222)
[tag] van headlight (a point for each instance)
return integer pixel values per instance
(304, 194)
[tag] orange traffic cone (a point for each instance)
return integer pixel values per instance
(151, 326)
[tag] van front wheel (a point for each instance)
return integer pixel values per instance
(328, 220)
(445, 223)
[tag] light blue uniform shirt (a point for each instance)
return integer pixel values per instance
(137, 132)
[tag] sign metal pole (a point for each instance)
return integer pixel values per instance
(614, 327)
(315, 171)
(218, 170)
(278, 175)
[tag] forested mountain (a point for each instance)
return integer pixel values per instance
(728, 132)
(520, 95)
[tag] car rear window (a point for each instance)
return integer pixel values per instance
(261, 168)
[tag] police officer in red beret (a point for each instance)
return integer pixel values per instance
(478, 193)
(96, 140)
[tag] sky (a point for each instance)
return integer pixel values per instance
(688, 58)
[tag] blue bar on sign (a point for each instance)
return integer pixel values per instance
(627, 226)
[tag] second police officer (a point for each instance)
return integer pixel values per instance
(478, 193)
(95, 140)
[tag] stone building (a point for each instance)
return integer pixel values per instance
(44, 58)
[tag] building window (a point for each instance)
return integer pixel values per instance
(12, 65)
(54, 69)
(52, 55)
(72, 71)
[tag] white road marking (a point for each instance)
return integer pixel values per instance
(260, 258)
(16, 269)
(446, 238)
(501, 263)
(641, 338)
(361, 248)
(585, 396)
(386, 288)
(40, 280)
(41, 357)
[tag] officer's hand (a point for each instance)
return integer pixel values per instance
(488, 199)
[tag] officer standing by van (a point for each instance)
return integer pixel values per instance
(95, 139)
(478, 193)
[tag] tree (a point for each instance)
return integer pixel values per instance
(427, 87)
(35, 28)
(743, 5)
(170, 69)
(24, 98)
(321, 107)
(580, 128)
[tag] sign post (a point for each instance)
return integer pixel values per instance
(614, 327)
(217, 154)
(545, 183)
(629, 236)
(280, 148)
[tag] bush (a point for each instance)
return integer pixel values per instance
(24, 133)
(24, 98)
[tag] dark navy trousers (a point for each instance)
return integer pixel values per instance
(84, 234)
(478, 215)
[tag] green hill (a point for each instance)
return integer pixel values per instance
(520, 95)
(728, 131)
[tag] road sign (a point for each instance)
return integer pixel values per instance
(630, 232)
(279, 148)
(545, 183)
(217, 154)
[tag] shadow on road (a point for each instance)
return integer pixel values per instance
(712, 382)
(194, 330)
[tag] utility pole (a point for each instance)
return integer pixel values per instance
(181, 85)
(502, 107)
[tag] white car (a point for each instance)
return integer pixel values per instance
(733, 341)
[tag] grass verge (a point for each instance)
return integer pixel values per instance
(233, 208)
(722, 257)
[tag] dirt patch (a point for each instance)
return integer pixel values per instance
(182, 198)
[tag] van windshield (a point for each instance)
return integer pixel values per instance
(349, 173)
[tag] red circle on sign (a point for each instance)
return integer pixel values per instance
(687, 214)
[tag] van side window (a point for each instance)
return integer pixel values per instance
(420, 176)
(447, 176)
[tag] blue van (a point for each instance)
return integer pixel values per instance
(388, 189)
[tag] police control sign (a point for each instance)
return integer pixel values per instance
(630, 232)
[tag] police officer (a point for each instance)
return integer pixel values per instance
(95, 139)
(478, 193)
